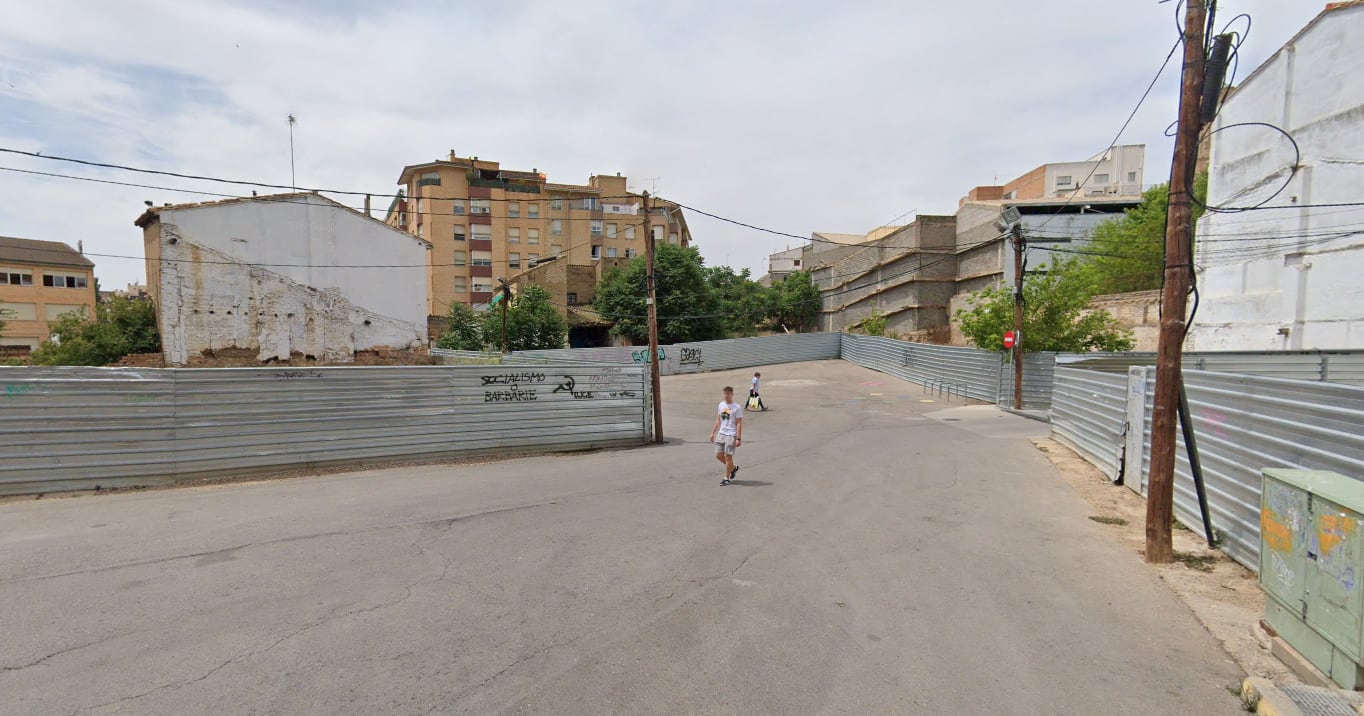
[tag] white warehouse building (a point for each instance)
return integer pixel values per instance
(1279, 266)
(288, 275)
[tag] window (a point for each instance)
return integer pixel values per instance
(1100, 178)
(60, 280)
(590, 204)
(533, 209)
(421, 203)
(18, 278)
(596, 227)
(429, 179)
(532, 259)
(483, 232)
(421, 231)
(483, 258)
(556, 227)
(610, 252)
(513, 235)
(596, 252)
(656, 232)
(532, 236)
(611, 230)
(556, 204)
(461, 258)
(514, 260)
(457, 207)
(629, 232)
(459, 232)
(672, 237)
(480, 206)
(797, 263)
(513, 210)
(483, 285)
(556, 249)
(1063, 181)
(461, 284)
(1131, 177)
(629, 253)
(572, 298)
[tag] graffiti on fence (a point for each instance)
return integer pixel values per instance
(513, 379)
(569, 385)
(14, 390)
(643, 356)
(511, 395)
(691, 356)
(296, 374)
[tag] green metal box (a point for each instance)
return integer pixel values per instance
(1311, 562)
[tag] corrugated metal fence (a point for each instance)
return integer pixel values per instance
(76, 428)
(708, 355)
(1330, 366)
(970, 372)
(1243, 424)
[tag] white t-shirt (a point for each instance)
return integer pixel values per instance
(755, 384)
(730, 415)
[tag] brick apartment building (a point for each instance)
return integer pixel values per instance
(39, 282)
(485, 222)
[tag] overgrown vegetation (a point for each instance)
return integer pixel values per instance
(1128, 253)
(873, 325)
(1055, 315)
(698, 303)
(1124, 254)
(121, 326)
(533, 323)
(1108, 520)
(1199, 562)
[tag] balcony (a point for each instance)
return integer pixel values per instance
(480, 244)
(483, 297)
(430, 181)
(481, 271)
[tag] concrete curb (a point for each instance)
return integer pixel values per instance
(1262, 696)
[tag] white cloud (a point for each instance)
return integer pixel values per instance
(801, 115)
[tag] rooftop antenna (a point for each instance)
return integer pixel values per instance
(293, 178)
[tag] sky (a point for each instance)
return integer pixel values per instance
(799, 116)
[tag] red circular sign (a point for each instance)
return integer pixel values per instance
(1008, 339)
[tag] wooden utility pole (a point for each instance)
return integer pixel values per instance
(1019, 246)
(651, 285)
(1178, 274)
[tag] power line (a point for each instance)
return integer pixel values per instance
(1123, 128)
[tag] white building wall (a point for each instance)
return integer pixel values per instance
(1288, 277)
(1107, 173)
(285, 277)
(785, 262)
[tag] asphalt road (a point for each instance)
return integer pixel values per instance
(879, 554)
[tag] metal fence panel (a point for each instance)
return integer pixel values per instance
(1330, 366)
(703, 356)
(76, 428)
(1038, 374)
(1088, 414)
(1246, 423)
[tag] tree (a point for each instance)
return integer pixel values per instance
(794, 302)
(533, 323)
(465, 332)
(1055, 315)
(4, 313)
(688, 308)
(1128, 253)
(743, 301)
(122, 326)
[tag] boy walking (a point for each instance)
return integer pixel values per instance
(728, 433)
(753, 395)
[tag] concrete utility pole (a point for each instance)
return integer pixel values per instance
(1020, 245)
(651, 286)
(1178, 274)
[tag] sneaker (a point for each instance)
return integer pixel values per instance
(724, 482)
(733, 472)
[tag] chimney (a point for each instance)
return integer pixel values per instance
(80, 247)
(367, 206)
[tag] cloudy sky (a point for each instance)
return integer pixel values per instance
(796, 115)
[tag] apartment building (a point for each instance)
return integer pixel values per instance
(485, 222)
(39, 282)
(1116, 171)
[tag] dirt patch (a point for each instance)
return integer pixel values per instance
(1222, 594)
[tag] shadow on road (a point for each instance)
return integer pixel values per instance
(749, 483)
